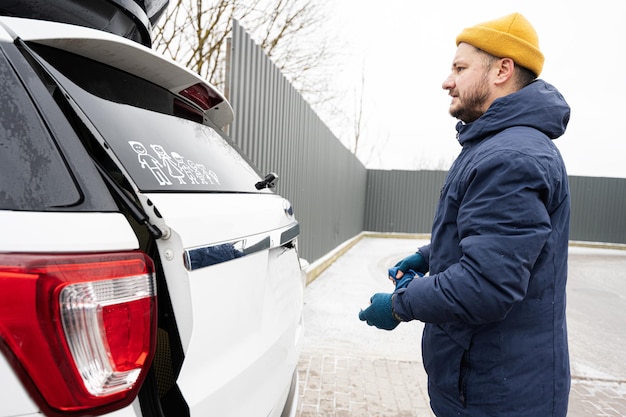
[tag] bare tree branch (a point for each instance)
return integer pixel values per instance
(358, 115)
(194, 32)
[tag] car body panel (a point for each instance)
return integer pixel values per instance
(209, 218)
(60, 232)
(13, 397)
(249, 335)
(246, 331)
(15, 401)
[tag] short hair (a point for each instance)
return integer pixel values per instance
(523, 76)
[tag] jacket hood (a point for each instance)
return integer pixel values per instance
(538, 105)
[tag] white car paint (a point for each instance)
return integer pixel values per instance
(243, 326)
(26, 231)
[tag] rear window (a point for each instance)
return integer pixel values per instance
(33, 175)
(158, 141)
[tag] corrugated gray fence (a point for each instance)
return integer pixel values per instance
(280, 132)
(598, 204)
(334, 195)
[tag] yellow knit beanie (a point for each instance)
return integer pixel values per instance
(511, 36)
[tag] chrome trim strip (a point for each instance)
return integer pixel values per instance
(213, 254)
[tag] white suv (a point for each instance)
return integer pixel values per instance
(146, 269)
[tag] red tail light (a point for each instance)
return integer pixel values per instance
(79, 328)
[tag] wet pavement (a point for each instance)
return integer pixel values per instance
(350, 369)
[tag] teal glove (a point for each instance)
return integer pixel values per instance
(416, 262)
(406, 278)
(380, 313)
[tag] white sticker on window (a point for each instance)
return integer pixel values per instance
(172, 168)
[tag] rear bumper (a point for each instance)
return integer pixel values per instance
(291, 405)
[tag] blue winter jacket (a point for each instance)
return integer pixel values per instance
(495, 338)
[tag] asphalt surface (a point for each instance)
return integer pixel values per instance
(350, 369)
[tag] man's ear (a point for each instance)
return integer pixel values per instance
(505, 67)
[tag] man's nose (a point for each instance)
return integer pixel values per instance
(448, 83)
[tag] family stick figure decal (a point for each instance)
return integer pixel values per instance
(172, 167)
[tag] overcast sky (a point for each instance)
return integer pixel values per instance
(403, 50)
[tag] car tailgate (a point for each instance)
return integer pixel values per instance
(237, 290)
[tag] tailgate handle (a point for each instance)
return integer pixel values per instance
(213, 254)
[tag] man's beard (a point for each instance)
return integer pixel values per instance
(472, 102)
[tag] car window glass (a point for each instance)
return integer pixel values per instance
(138, 120)
(33, 175)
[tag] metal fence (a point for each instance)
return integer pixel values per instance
(402, 201)
(598, 209)
(598, 204)
(334, 195)
(278, 130)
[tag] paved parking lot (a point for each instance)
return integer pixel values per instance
(350, 369)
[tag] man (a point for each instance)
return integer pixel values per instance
(493, 304)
